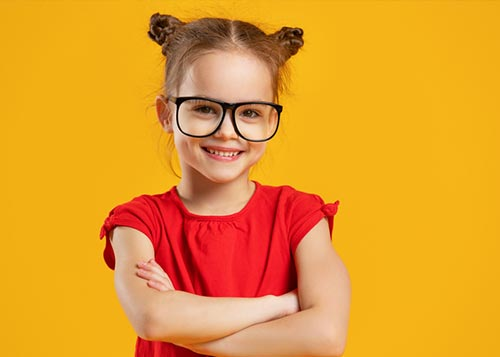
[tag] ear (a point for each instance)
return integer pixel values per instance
(164, 113)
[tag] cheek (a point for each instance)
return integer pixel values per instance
(259, 149)
(183, 144)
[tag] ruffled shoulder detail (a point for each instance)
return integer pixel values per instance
(140, 214)
(305, 211)
(330, 209)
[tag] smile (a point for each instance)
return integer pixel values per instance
(222, 153)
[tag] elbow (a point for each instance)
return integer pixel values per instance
(153, 331)
(331, 343)
(150, 324)
(147, 328)
(335, 348)
(150, 327)
(147, 334)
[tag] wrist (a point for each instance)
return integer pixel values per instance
(280, 306)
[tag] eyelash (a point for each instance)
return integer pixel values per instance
(253, 113)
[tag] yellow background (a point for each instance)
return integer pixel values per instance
(394, 109)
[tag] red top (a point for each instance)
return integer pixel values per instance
(245, 254)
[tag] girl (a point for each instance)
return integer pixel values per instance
(221, 265)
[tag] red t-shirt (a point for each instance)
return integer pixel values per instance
(246, 254)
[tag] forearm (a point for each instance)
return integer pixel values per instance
(306, 333)
(184, 318)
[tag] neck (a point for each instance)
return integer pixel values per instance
(205, 197)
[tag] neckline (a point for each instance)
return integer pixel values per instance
(228, 217)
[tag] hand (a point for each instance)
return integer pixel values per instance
(153, 273)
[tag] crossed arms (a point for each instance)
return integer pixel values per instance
(311, 321)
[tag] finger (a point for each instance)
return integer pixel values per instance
(150, 275)
(155, 264)
(160, 281)
(152, 266)
(144, 274)
(153, 276)
(151, 270)
(157, 286)
(155, 267)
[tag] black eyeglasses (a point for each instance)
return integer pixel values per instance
(200, 117)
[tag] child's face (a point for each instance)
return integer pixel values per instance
(230, 77)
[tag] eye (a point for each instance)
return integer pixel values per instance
(250, 113)
(204, 109)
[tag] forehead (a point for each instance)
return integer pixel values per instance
(231, 76)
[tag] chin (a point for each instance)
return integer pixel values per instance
(222, 176)
(219, 174)
(223, 179)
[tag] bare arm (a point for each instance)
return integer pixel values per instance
(176, 316)
(320, 329)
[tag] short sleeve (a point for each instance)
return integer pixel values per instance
(306, 211)
(138, 214)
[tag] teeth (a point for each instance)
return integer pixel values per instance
(223, 153)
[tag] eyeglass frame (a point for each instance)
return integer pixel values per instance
(225, 106)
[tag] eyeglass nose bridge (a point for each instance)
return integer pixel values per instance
(225, 106)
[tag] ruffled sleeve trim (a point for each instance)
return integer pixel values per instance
(323, 210)
(330, 210)
(135, 214)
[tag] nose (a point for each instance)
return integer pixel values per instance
(226, 129)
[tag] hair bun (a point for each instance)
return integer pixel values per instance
(162, 28)
(290, 38)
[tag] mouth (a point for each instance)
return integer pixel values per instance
(223, 153)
